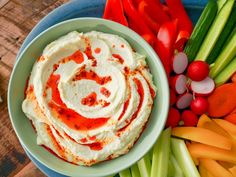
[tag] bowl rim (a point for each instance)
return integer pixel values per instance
(148, 49)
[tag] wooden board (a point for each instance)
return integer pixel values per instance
(17, 18)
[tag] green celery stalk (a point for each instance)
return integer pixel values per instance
(178, 171)
(226, 55)
(171, 169)
(220, 4)
(225, 75)
(144, 166)
(135, 171)
(183, 158)
(160, 156)
(215, 30)
(125, 173)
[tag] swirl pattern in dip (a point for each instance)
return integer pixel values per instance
(89, 97)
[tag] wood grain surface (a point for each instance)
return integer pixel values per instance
(17, 18)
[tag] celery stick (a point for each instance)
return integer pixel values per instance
(135, 171)
(215, 30)
(226, 55)
(144, 166)
(220, 4)
(171, 169)
(125, 173)
(183, 158)
(178, 171)
(225, 75)
(160, 156)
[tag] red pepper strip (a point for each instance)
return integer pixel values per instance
(114, 11)
(164, 47)
(177, 11)
(181, 40)
(156, 12)
(166, 9)
(142, 9)
(137, 22)
(149, 38)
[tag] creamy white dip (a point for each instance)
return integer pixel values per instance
(89, 97)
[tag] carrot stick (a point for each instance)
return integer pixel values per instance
(215, 168)
(223, 100)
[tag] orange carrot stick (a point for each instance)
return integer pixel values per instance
(223, 100)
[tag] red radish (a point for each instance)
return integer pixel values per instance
(172, 97)
(173, 118)
(184, 100)
(178, 83)
(198, 70)
(204, 87)
(199, 105)
(189, 118)
(179, 62)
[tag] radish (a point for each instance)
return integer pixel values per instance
(198, 70)
(173, 118)
(199, 105)
(179, 62)
(184, 100)
(172, 97)
(189, 118)
(204, 87)
(178, 83)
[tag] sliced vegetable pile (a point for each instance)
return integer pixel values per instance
(200, 63)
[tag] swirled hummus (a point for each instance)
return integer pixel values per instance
(89, 97)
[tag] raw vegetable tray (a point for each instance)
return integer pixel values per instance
(91, 8)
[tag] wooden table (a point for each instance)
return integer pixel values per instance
(17, 18)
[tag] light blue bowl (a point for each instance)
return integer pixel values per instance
(22, 125)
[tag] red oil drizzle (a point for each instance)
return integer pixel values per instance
(41, 58)
(71, 118)
(141, 94)
(126, 104)
(105, 92)
(120, 59)
(152, 92)
(90, 100)
(97, 50)
(92, 138)
(91, 75)
(68, 136)
(122, 46)
(83, 140)
(97, 146)
(76, 57)
(88, 50)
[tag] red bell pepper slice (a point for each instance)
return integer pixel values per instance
(156, 11)
(137, 21)
(182, 38)
(164, 47)
(142, 9)
(114, 11)
(177, 11)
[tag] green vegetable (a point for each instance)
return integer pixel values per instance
(226, 55)
(160, 156)
(125, 173)
(214, 31)
(178, 171)
(135, 171)
(200, 30)
(220, 4)
(171, 169)
(224, 75)
(183, 158)
(144, 166)
(223, 36)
